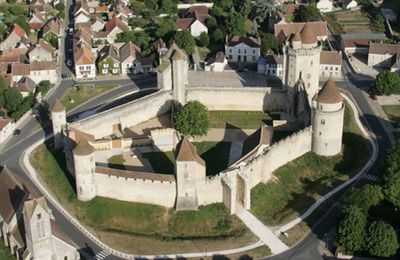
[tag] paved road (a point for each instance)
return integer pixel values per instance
(10, 156)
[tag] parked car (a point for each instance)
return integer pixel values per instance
(69, 63)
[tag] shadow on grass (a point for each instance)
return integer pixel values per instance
(59, 156)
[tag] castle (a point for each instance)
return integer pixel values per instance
(321, 112)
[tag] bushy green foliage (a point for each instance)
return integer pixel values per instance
(365, 197)
(218, 36)
(308, 13)
(185, 41)
(140, 38)
(44, 86)
(269, 44)
(204, 40)
(193, 119)
(235, 24)
(211, 23)
(381, 239)
(391, 186)
(166, 29)
(387, 83)
(351, 233)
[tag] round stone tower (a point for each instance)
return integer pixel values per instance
(328, 118)
(84, 163)
(301, 62)
(59, 120)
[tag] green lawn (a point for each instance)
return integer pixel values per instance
(393, 112)
(161, 162)
(238, 119)
(73, 97)
(117, 162)
(216, 156)
(5, 252)
(116, 222)
(300, 183)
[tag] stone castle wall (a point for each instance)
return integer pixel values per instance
(148, 191)
(244, 98)
(129, 114)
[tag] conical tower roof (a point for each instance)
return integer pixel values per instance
(308, 36)
(187, 152)
(58, 106)
(329, 94)
(83, 148)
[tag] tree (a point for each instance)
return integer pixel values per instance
(308, 13)
(218, 36)
(204, 40)
(140, 38)
(365, 197)
(243, 7)
(211, 23)
(151, 4)
(263, 8)
(185, 41)
(225, 5)
(269, 43)
(235, 24)
(193, 119)
(60, 6)
(166, 29)
(12, 99)
(387, 83)
(351, 233)
(391, 185)
(168, 6)
(43, 87)
(381, 239)
(378, 23)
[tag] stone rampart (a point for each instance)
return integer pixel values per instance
(141, 187)
(244, 98)
(129, 114)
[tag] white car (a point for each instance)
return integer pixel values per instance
(71, 31)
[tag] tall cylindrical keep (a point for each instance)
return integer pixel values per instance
(328, 121)
(84, 163)
(59, 120)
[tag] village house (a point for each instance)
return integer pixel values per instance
(383, 55)
(15, 39)
(325, 6)
(43, 70)
(122, 58)
(28, 227)
(243, 49)
(36, 21)
(217, 63)
(42, 51)
(284, 31)
(97, 23)
(51, 27)
(330, 65)
(7, 128)
(112, 28)
(85, 63)
(26, 86)
(19, 70)
(81, 12)
(358, 42)
(194, 20)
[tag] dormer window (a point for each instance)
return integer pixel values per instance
(39, 216)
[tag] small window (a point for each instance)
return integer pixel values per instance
(245, 51)
(230, 57)
(39, 216)
(254, 51)
(322, 121)
(311, 63)
(230, 50)
(105, 65)
(238, 50)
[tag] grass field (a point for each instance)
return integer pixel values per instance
(5, 252)
(238, 119)
(300, 183)
(161, 162)
(73, 97)
(393, 112)
(140, 228)
(216, 156)
(116, 162)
